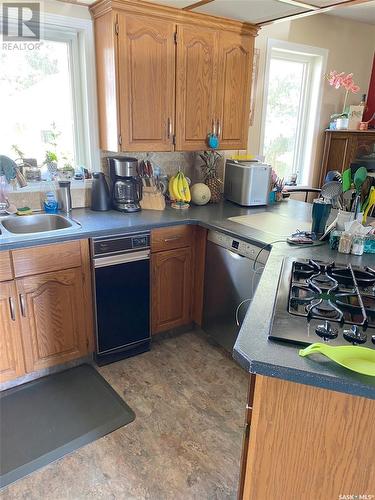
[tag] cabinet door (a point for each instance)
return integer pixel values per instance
(234, 86)
(11, 349)
(53, 316)
(196, 77)
(171, 288)
(146, 73)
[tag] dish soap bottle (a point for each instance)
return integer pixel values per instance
(50, 203)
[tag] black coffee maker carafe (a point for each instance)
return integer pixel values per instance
(126, 185)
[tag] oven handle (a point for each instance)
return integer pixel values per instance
(112, 260)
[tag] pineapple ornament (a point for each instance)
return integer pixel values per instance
(210, 174)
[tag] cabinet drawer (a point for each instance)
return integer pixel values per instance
(169, 238)
(6, 272)
(36, 260)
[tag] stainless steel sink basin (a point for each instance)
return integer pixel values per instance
(38, 223)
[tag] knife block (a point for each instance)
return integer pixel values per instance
(152, 199)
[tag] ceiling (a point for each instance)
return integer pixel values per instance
(266, 11)
(363, 13)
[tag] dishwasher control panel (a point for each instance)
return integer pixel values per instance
(249, 250)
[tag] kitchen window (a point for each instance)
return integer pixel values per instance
(48, 97)
(293, 82)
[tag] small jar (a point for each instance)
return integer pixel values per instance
(358, 246)
(345, 243)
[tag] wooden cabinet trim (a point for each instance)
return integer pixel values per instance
(6, 270)
(43, 259)
(12, 364)
(303, 440)
(101, 7)
(106, 81)
(171, 237)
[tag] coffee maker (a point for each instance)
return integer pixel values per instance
(126, 186)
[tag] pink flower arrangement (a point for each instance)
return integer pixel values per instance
(341, 80)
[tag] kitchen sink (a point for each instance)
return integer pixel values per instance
(38, 223)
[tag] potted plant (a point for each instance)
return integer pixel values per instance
(51, 162)
(341, 80)
(67, 171)
(209, 168)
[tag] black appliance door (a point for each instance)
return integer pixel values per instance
(122, 304)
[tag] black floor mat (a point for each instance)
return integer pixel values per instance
(43, 420)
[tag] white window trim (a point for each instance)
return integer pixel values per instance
(80, 34)
(312, 100)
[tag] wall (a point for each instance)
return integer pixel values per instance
(66, 9)
(350, 45)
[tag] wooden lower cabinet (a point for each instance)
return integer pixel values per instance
(53, 318)
(11, 350)
(172, 275)
(46, 314)
(307, 443)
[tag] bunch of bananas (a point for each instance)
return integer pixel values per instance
(179, 188)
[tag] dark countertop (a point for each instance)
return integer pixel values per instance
(252, 350)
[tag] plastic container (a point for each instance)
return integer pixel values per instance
(345, 244)
(358, 244)
(369, 244)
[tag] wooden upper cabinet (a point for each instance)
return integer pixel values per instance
(233, 91)
(11, 350)
(53, 317)
(158, 94)
(106, 81)
(146, 68)
(197, 58)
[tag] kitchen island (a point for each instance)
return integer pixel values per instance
(308, 417)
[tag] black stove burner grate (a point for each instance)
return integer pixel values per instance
(326, 291)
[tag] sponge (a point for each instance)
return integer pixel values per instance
(24, 211)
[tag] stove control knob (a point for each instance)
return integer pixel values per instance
(326, 331)
(354, 335)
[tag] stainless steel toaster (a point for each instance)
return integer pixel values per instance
(247, 183)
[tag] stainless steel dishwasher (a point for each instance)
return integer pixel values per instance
(230, 282)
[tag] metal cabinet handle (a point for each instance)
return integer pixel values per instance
(23, 305)
(218, 128)
(166, 240)
(169, 128)
(213, 127)
(11, 307)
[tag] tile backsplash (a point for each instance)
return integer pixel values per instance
(169, 162)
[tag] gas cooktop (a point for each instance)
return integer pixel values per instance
(323, 301)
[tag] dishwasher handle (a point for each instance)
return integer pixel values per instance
(113, 260)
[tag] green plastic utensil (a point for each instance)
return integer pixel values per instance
(355, 358)
(359, 178)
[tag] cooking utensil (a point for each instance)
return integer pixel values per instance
(331, 192)
(346, 180)
(359, 178)
(355, 358)
(369, 205)
(365, 191)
